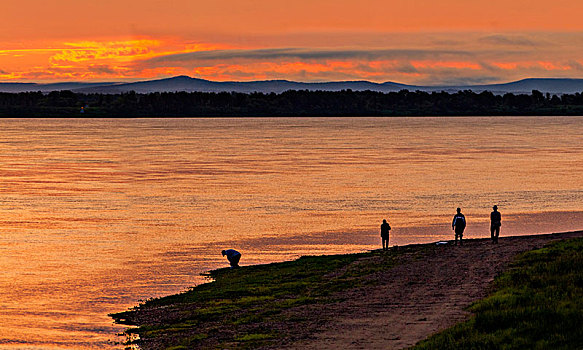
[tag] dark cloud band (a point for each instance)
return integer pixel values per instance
(306, 54)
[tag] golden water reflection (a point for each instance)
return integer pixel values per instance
(97, 214)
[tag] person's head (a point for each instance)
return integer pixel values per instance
(459, 210)
(384, 221)
(495, 207)
(223, 252)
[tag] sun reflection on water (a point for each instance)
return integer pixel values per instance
(97, 214)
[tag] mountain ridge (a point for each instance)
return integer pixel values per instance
(189, 84)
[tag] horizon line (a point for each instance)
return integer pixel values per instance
(121, 82)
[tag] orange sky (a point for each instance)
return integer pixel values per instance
(414, 41)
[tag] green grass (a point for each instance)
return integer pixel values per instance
(253, 337)
(537, 304)
(236, 309)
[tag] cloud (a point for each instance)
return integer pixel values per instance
(414, 58)
(575, 65)
(304, 54)
(86, 51)
(509, 40)
(102, 69)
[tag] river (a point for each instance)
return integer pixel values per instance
(98, 214)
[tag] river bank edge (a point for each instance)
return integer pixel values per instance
(287, 303)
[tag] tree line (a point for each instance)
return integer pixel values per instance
(286, 104)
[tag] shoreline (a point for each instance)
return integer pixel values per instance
(417, 289)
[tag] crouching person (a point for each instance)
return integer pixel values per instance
(233, 256)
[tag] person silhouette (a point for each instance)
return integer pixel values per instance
(495, 223)
(458, 225)
(233, 256)
(385, 228)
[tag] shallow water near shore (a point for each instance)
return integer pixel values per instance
(97, 214)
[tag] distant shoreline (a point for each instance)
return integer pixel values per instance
(292, 103)
(339, 300)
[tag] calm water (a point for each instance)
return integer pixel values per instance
(97, 214)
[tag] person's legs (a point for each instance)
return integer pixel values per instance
(492, 229)
(460, 235)
(235, 260)
(497, 233)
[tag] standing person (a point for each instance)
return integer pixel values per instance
(495, 223)
(458, 225)
(233, 256)
(385, 228)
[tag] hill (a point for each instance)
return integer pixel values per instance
(525, 86)
(184, 83)
(30, 87)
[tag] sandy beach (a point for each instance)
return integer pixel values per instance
(427, 290)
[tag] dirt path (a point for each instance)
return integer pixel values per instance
(418, 297)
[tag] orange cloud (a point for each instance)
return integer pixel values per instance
(445, 64)
(553, 66)
(420, 59)
(94, 60)
(506, 65)
(120, 51)
(545, 65)
(299, 70)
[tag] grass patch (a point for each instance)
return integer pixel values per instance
(253, 337)
(537, 304)
(230, 310)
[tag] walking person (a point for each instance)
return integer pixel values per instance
(495, 223)
(233, 256)
(385, 228)
(458, 225)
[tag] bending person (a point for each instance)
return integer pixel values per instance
(233, 256)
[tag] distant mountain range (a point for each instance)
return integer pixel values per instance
(188, 84)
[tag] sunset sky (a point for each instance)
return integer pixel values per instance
(413, 41)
